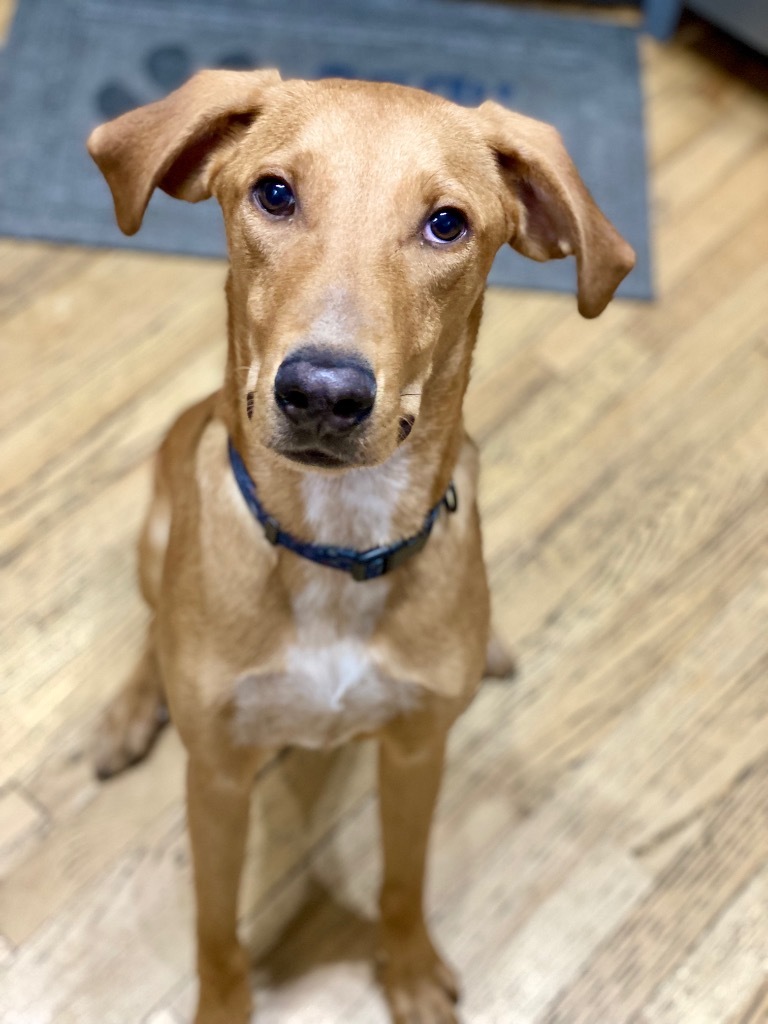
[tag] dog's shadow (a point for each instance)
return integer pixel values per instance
(307, 806)
(322, 933)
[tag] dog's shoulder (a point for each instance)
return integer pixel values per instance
(178, 452)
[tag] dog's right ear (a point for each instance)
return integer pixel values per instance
(556, 216)
(169, 144)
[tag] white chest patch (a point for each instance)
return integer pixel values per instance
(327, 696)
(356, 509)
(330, 688)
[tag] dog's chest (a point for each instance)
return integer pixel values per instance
(330, 685)
(327, 696)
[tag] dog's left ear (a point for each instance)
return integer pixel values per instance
(169, 144)
(554, 213)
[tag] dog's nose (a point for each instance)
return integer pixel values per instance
(325, 390)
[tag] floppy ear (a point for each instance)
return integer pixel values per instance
(168, 144)
(556, 215)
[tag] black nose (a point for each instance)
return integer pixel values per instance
(324, 390)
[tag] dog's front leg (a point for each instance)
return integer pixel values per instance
(418, 984)
(218, 800)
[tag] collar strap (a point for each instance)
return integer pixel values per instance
(361, 565)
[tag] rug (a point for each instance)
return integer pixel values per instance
(70, 64)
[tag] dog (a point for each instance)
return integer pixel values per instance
(312, 553)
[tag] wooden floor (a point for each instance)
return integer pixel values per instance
(601, 854)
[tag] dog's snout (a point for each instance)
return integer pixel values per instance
(324, 390)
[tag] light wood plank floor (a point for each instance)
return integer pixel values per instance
(601, 854)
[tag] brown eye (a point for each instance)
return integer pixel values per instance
(274, 196)
(445, 225)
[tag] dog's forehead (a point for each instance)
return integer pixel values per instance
(378, 124)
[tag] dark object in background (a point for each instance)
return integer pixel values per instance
(72, 64)
(747, 20)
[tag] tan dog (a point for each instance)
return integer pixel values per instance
(362, 221)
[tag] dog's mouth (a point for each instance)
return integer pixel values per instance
(316, 457)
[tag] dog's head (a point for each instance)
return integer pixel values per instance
(362, 220)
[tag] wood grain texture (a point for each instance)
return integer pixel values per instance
(601, 848)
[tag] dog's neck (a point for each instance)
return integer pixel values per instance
(358, 508)
(366, 507)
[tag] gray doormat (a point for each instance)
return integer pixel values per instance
(70, 64)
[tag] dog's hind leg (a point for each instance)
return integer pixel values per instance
(133, 719)
(138, 712)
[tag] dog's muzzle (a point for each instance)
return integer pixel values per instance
(325, 399)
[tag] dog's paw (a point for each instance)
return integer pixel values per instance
(419, 989)
(225, 991)
(128, 728)
(235, 1010)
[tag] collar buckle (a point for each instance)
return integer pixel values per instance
(370, 565)
(271, 529)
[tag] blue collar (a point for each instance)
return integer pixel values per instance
(361, 565)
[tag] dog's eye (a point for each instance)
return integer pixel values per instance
(445, 225)
(274, 196)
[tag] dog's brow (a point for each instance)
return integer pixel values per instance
(442, 189)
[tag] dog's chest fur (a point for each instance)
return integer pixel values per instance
(330, 687)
